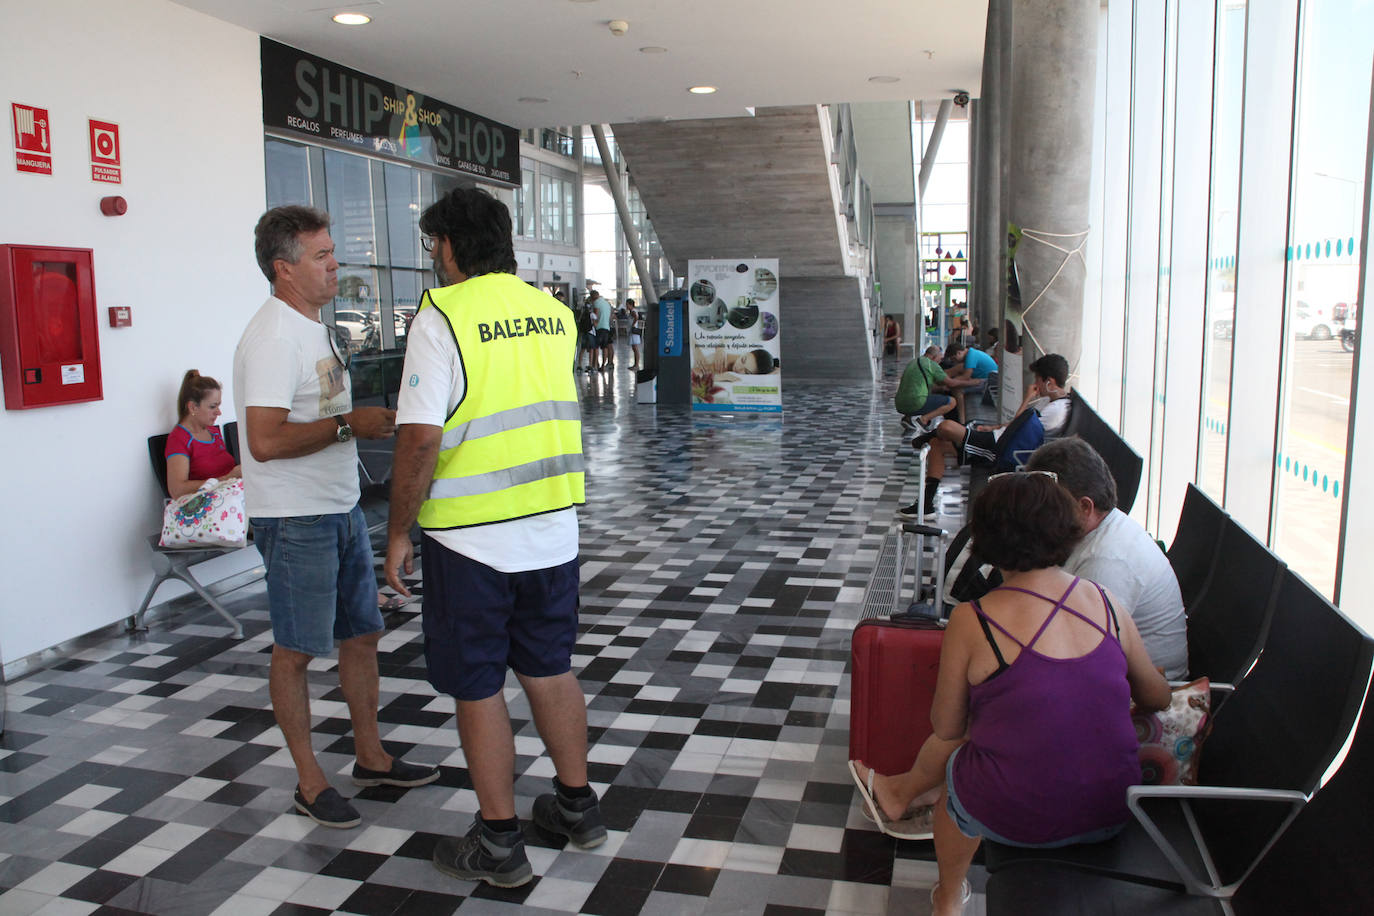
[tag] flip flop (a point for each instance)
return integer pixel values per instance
(914, 825)
(392, 603)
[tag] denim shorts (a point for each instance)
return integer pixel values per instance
(320, 583)
(973, 828)
(478, 621)
(933, 402)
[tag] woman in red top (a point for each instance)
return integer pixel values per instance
(195, 447)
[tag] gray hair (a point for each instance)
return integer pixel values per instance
(278, 235)
(1080, 468)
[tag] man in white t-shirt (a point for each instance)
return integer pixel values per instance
(1048, 394)
(605, 341)
(489, 462)
(300, 475)
(1118, 554)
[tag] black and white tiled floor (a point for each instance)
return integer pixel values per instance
(724, 564)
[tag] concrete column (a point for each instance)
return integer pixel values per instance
(990, 133)
(622, 207)
(1054, 72)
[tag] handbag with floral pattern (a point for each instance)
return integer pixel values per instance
(213, 516)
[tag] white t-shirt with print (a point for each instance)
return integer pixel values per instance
(285, 360)
(432, 385)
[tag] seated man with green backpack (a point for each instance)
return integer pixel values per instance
(1042, 415)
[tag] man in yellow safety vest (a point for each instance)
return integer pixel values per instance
(489, 461)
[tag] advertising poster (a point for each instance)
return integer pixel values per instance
(733, 317)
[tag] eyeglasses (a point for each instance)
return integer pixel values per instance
(1050, 474)
(340, 343)
(427, 242)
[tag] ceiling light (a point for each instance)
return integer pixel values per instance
(653, 49)
(702, 90)
(531, 99)
(884, 79)
(352, 19)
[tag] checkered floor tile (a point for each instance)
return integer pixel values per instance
(724, 563)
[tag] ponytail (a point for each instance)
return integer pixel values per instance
(194, 387)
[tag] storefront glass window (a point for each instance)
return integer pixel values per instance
(288, 174)
(1335, 54)
(1221, 246)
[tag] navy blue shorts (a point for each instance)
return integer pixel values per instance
(478, 621)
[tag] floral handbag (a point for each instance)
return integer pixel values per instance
(213, 516)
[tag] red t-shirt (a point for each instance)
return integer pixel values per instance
(208, 459)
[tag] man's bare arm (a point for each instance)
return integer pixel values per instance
(271, 435)
(412, 469)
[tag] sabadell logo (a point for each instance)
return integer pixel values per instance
(414, 380)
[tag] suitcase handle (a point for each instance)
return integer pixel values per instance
(926, 531)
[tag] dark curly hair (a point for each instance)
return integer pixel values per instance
(1024, 521)
(478, 229)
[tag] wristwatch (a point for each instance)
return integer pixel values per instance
(345, 431)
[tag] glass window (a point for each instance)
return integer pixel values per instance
(1166, 225)
(288, 173)
(348, 195)
(569, 212)
(1229, 79)
(1335, 55)
(550, 208)
(408, 193)
(524, 203)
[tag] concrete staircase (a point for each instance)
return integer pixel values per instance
(763, 187)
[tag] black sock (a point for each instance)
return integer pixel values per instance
(581, 791)
(504, 825)
(932, 484)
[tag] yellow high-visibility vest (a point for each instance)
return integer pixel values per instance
(512, 447)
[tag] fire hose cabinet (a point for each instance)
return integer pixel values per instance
(49, 337)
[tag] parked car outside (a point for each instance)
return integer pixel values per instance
(1312, 321)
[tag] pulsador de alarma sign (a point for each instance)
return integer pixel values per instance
(318, 99)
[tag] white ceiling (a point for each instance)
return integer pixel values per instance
(484, 55)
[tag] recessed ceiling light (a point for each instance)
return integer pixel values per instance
(653, 49)
(702, 90)
(352, 19)
(532, 99)
(884, 79)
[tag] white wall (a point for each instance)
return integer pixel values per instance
(75, 481)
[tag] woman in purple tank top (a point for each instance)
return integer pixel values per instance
(1033, 743)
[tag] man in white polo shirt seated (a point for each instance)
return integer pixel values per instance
(1118, 554)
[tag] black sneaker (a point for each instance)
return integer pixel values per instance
(405, 775)
(921, 440)
(578, 819)
(329, 809)
(911, 512)
(497, 858)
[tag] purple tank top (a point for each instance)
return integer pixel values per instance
(1051, 748)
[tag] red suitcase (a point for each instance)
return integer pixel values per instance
(893, 668)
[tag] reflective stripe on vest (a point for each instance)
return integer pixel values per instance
(512, 447)
(506, 420)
